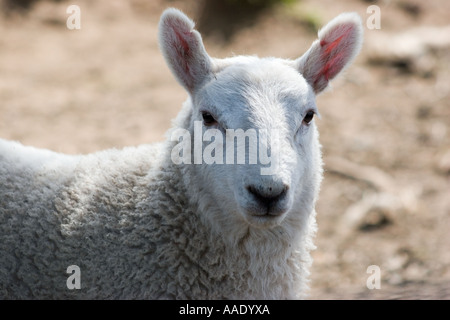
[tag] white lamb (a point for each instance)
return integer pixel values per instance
(142, 223)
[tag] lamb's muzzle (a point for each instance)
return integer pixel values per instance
(270, 199)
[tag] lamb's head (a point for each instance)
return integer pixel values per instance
(255, 117)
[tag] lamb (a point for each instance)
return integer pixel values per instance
(157, 221)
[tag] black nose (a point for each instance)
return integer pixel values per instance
(268, 196)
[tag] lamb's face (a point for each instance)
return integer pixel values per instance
(261, 115)
(271, 101)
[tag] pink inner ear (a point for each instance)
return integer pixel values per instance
(183, 51)
(183, 43)
(330, 46)
(335, 54)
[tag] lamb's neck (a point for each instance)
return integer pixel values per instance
(274, 266)
(274, 260)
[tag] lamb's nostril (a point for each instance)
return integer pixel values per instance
(269, 195)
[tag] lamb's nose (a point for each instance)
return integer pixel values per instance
(268, 196)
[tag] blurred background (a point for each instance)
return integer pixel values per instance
(385, 126)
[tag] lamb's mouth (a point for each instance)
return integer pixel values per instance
(264, 207)
(265, 218)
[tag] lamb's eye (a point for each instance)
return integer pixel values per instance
(308, 117)
(208, 119)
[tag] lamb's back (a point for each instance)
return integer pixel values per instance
(93, 211)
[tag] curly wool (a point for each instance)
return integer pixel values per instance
(130, 226)
(140, 226)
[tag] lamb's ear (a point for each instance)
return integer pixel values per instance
(183, 49)
(338, 44)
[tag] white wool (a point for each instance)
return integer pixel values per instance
(139, 225)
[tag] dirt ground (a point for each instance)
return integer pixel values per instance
(385, 125)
